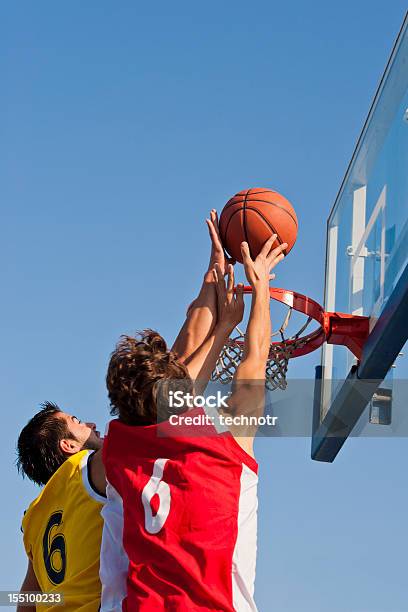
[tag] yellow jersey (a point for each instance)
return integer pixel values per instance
(62, 536)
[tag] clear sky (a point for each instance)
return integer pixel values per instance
(123, 124)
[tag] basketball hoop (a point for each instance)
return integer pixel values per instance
(334, 328)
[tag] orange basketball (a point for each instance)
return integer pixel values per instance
(252, 216)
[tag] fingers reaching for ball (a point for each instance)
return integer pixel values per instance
(258, 271)
(218, 254)
(276, 255)
(267, 247)
(230, 304)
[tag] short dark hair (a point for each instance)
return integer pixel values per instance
(139, 371)
(39, 454)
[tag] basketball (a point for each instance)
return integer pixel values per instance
(252, 216)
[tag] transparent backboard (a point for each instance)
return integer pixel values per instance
(367, 230)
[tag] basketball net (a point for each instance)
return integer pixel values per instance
(278, 360)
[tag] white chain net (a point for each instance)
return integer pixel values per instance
(278, 360)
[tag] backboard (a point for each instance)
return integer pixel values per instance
(366, 261)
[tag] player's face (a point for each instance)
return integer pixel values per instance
(86, 434)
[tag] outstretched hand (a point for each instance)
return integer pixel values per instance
(218, 255)
(230, 304)
(258, 271)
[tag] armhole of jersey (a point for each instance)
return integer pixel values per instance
(225, 433)
(245, 457)
(85, 479)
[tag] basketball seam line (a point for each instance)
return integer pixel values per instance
(226, 228)
(272, 204)
(230, 203)
(245, 223)
(278, 206)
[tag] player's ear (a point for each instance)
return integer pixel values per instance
(68, 446)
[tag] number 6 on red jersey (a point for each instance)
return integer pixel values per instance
(156, 486)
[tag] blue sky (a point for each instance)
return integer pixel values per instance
(123, 124)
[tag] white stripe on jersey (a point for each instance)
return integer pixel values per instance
(114, 560)
(244, 557)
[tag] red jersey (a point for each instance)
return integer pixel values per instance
(180, 520)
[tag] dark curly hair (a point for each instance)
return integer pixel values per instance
(38, 450)
(141, 372)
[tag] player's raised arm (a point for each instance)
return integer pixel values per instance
(230, 310)
(202, 313)
(248, 394)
